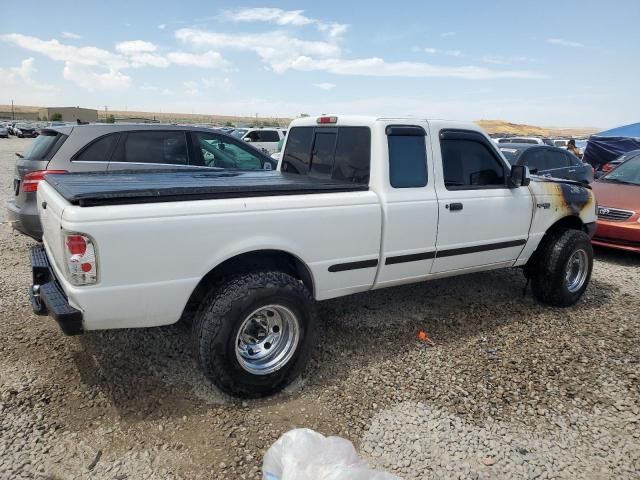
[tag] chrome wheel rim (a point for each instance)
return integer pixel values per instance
(576, 270)
(267, 339)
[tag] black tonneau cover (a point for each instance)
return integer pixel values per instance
(127, 187)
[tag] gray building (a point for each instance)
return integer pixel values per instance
(70, 114)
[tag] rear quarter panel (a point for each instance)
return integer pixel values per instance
(152, 256)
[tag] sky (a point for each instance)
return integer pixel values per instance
(550, 63)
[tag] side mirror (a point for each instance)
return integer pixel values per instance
(519, 176)
(247, 139)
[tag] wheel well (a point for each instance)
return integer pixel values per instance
(243, 263)
(570, 222)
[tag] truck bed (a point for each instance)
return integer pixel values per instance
(128, 187)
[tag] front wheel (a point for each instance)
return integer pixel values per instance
(562, 268)
(253, 334)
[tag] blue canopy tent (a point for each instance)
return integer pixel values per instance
(606, 146)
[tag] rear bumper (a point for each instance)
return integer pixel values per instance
(25, 221)
(47, 297)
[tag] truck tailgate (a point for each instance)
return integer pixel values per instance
(50, 208)
(128, 187)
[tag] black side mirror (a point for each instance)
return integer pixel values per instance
(519, 176)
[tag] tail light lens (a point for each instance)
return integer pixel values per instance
(30, 181)
(81, 259)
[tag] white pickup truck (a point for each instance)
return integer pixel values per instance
(356, 204)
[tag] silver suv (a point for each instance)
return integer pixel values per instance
(102, 148)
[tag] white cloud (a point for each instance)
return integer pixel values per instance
(208, 59)
(434, 51)
(148, 60)
(89, 56)
(71, 35)
(131, 47)
(564, 43)
(92, 80)
(277, 49)
(22, 76)
(377, 67)
(325, 86)
(501, 59)
(282, 17)
(448, 34)
(273, 15)
(162, 26)
(191, 88)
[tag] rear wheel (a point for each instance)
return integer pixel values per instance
(562, 268)
(253, 334)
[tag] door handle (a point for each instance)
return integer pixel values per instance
(572, 170)
(454, 206)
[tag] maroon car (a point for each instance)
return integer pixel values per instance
(618, 197)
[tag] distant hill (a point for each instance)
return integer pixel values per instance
(507, 128)
(491, 126)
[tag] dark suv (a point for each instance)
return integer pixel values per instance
(98, 147)
(547, 161)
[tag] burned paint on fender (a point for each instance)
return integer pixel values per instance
(567, 197)
(575, 197)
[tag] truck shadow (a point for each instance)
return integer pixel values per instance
(150, 373)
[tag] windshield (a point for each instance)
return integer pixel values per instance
(23, 125)
(627, 172)
(40, 147)
(511, 154)
(239, 132)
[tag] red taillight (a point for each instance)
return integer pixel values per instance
(76, 244)
(327, 120)
(29, 183)
(82, 264)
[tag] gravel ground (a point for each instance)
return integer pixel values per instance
(512, 389)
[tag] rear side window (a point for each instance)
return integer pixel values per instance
(341, 153)
(469, 164)
(556, 159)
(153, 147)
(100, 150)
(40, 147)
(407, 157)
(536, 159)
(297, 155)
(268, 136)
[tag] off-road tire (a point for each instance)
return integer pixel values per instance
(220, 315)
(547, 271)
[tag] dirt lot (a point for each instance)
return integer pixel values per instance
(513, 389)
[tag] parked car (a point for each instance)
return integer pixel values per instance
(25, 130)
(360, 203)
(548, 161)
(607, 167)
(4, 132)
(618, 194)
(103, 147)
(530, 140)
(265, 139)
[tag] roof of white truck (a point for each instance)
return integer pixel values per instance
(370, 120)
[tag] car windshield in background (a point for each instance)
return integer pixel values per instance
(239, 132)
(628, 172)
(23, 125)
(40, 147)
(511, 154)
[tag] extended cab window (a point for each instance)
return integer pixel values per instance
(153, 147)
(100, 150)
(340, 153)
(407, 156)
(469, 163)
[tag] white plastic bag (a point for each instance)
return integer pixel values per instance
(303, 454)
